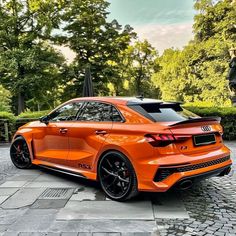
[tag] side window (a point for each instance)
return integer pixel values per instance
(67, 112)
(116, 117)
(95, 111)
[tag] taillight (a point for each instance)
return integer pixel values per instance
(159, 140)
(162, 140)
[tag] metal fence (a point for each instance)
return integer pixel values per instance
(4, 130)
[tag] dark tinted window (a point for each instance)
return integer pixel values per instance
(116, 117)
(163, 112)
(67, 112)
(95, 111)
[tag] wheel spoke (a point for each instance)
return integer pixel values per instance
(112, 183)
(123, 180)
(121, 186)
(108, 172)
(15, 148)
(109, 163)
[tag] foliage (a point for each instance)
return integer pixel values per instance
(95, 42)
(198, 72)
(37, 77)
(8, 116)
(227, 114)
(139, 62)
(10, 119)
(215, 19)
(5, 100)
(29, 66)
(32, 115)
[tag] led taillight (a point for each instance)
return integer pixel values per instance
(182, 137)
(159, 140)
(164, 137)
(162, 140)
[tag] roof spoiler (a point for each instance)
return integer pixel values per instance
(197, 120)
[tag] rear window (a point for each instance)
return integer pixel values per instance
(163, 112)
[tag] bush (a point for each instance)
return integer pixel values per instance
(29, 116)
(32, 114)
(227, 114)
(10, 119)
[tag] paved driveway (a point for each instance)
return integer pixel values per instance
(40, 202)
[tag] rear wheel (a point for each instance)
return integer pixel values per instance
(20, 154)
(117, 176)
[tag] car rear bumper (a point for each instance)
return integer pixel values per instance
(201, 171)
(186, 182)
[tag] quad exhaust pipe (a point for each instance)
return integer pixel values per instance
(185, 184)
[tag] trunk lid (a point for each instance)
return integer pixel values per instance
(197, 135)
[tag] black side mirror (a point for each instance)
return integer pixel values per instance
(44, 119)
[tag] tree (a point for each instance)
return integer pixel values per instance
(95, 41)
(215, 19)
(140, 63)
(28, 64)
(5, 99)
(197, 74)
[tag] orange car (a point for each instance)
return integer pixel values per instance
(127, 144)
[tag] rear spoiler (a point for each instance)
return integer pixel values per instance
(197, 120)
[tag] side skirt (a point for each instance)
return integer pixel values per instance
(63, 171)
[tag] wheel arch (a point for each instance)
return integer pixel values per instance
(104, 152)
(29, 141)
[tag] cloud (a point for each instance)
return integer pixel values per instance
(160, 36)
(166, 36)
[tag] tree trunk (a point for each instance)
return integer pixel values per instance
(21, 103)
(138, 86)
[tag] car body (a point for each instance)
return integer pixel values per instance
(165, 144)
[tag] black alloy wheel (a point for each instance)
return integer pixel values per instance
(117, 176)
(20, 154)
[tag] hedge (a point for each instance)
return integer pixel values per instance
(228, 121)
(14, 122)
(32, 115)
(9, 118)
(227, 114)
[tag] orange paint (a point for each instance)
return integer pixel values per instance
(78, 145)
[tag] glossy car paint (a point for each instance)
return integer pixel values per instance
(80, 146)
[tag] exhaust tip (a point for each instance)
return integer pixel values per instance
(225, 172)
(185, 184)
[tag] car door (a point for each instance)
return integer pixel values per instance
(88, 134)
(51, 142)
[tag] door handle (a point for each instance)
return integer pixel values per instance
(101, 132)
(63, 131)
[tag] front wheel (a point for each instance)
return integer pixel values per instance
(117, 176)
(19, 153)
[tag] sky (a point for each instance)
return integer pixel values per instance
(165, 23)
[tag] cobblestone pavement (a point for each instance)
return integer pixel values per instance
(27, 208)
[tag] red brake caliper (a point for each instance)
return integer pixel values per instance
(18, 149)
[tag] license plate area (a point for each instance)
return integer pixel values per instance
(204, 139)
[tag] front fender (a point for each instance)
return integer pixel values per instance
(26, 134)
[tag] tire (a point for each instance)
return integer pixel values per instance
(117, 176)
(20, 155)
